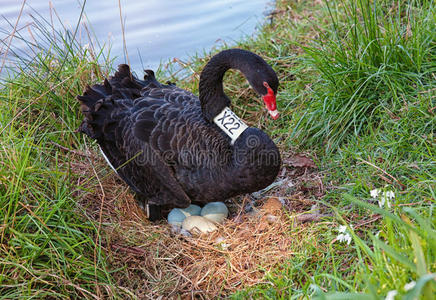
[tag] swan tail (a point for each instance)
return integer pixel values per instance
(99, 100)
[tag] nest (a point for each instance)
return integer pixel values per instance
(161, 263)
(154, 262)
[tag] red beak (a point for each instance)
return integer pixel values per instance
(270, 102)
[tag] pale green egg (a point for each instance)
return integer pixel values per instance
(215, 211)
(177, 215)
(193, 210)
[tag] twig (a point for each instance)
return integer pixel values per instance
(124, 34)
(12, 35)
(383, 171)
(409, 204)
(369, 221)
(385, 178)
(77, 152)
(132, 250)
(82, 290)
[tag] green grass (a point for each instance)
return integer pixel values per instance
(357, 91)
(48, 245)
(375, 57)
(364, 105)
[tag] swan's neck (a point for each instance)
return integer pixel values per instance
(212, 97)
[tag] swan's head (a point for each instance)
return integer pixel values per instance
(256, 70)
(265, 82)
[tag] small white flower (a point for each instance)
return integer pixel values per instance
(342, 228)
(374, 193)
(86, 47)
(409, 286)
(389, 194)
(344, 237)
(391, 295)
(386, 198)
(381, 202)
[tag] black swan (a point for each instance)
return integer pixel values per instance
(173, 148)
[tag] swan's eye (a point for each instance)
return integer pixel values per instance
(270, 92)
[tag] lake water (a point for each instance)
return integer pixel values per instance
(155, 30)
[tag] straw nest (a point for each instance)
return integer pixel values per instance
(154, 262)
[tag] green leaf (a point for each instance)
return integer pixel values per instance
(344, 296)
(425, 224)
(420, 284)
(421, 266)
(394, 254)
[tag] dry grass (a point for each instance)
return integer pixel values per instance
(154, 262)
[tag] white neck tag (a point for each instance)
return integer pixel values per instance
(229, 122)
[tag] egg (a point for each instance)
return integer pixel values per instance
(177, 215)
(198, 224)
(215, 211)
(193, 210)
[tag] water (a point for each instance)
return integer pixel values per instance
(155, 30)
